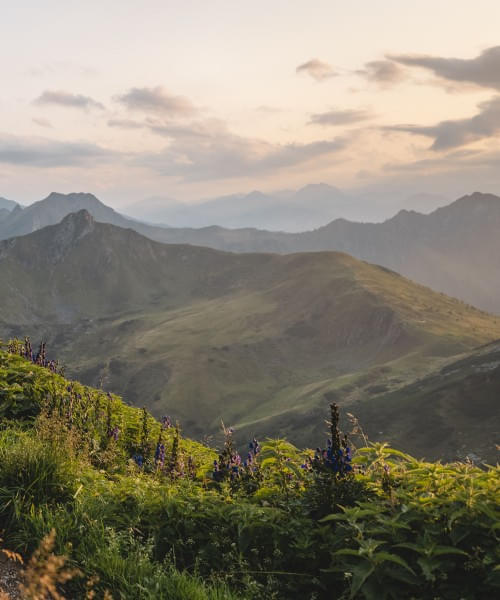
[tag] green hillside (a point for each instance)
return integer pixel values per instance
(443, 414)
(200, 334)
(343, 523)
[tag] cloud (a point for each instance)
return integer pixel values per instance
(451, 161)
(456, 133)
(156, 100)
(196, 130)
(207, 150)
(125, 124)
(42, 122)
(383, 72)
(317, 69)
(61, 98)
(40, 152)
(483, 70)
(339, 117)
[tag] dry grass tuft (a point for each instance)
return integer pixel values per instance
(45, 572)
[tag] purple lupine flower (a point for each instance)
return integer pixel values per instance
(160, 454)
(166, 423)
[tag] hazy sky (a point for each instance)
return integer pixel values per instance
(130, 99)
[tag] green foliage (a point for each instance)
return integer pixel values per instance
(394, 528)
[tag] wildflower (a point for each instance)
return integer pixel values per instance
(217, 474)
(114, 433)
(336, 456)
(254, 446)
(160, 454)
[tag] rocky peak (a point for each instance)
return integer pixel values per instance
(79, 224)
(73, 228)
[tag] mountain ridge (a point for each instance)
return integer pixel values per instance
(449, 249)
(196, 331)
(7, 204)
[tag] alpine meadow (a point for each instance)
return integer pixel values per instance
(250, 300)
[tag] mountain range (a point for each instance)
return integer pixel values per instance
(451, 249)
(288, 210)
(255, 338)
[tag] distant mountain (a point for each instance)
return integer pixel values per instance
(288, 210)
(307, 208)
(7, 204)
(452, 250)
(199, 333)
(425, 202)
(4, 213)
(52, 210)
(55, 207)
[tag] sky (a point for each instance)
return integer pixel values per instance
(193, 100)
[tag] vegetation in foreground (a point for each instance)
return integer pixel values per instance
(140, 512)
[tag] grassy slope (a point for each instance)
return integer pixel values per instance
(249, 359)
(24, 389)
(444, 413)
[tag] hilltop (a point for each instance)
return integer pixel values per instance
(255, 338)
